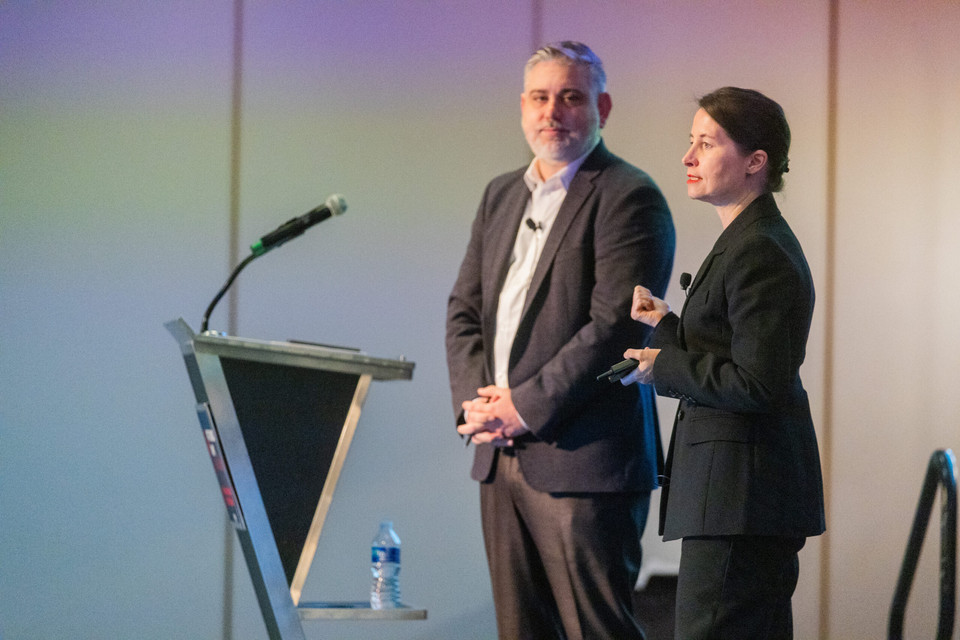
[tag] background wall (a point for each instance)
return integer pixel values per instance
(115, 174)
(897, 350)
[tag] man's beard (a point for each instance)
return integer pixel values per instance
(564, 150)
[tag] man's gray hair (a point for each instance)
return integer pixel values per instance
(570, 52)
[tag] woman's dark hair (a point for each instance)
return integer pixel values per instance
(754, 122)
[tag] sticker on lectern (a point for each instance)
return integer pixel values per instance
(215, 452)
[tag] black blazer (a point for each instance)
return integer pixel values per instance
(743, 457)
(613, 230)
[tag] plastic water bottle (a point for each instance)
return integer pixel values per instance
(385, 567)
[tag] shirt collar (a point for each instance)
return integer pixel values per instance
(533, 180)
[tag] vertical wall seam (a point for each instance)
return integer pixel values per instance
(525, 156)
(536, 25)
(833, 37)
(235, 113)
(233, 256)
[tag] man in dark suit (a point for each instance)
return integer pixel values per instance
(540, 307)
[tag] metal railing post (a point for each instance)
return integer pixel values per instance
(940, 472)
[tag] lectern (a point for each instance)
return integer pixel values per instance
(277, 421)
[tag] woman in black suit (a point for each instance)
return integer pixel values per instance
(743, 487)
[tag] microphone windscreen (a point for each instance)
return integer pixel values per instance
(337, 204)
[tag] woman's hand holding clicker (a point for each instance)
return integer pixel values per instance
(644, 371)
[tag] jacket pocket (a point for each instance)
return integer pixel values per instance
(712, 425)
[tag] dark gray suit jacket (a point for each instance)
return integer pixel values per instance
(613, 231)
(743, 457)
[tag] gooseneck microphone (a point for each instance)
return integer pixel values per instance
(334, 206)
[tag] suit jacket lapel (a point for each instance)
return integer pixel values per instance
(580, 189)
(761, 207)
(572, 203)
(704, 269)
(701, 275)
(497, 259)
(502, 251)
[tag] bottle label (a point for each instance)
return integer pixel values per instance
(385, 554)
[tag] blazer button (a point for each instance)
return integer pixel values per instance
(680, 414)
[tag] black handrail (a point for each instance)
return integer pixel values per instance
(941, 470)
